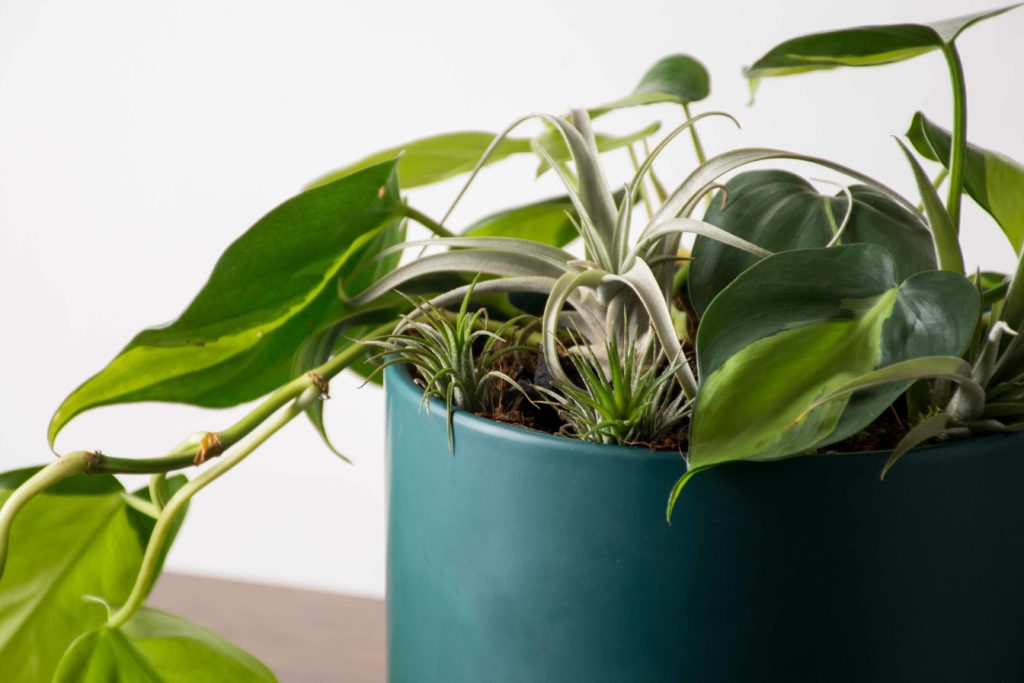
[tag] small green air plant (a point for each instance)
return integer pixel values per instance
(635, 402)
(455, 354)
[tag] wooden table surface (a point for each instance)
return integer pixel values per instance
(303, 636)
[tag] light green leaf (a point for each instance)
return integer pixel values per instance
(676, 78)
(547, 222)
(993, 180)
(862, 46)
(435, 158)
(800, 324)
(79, 538)
(781, 211)
(944, 232)
(156, 647)
(271, 289)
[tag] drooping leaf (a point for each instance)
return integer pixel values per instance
(271, 289)
(944, 232)
(780, 211)
(79, 538)
(801, 323)
(676, 78)
(862, 46)
(156, 647)
(993, 180)
(435, 158)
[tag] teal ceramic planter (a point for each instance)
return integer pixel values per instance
(528, 557)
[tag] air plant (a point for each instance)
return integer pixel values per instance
(628, 396)
(455, 355)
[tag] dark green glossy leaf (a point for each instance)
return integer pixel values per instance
(993, 180)
(545, 221)
(862, 46)
(435, 158)
(271, 289)
(800, 324)
(79, 538)
(676, 78)
(779, 211)
(156, 647)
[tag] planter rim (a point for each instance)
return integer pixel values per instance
(398, 379)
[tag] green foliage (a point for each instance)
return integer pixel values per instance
(79, 539)
(811, 321)
(430, 160)
(272, 289)
(634, 402)
(155, 647)
(677, 78)
(862, 46)
(814, 313)
(454, 354)
(780, 211)
(993, 180)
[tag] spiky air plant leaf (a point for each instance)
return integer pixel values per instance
(612, 283)
(454, 354)
(628, 397)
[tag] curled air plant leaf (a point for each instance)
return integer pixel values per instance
(627, 398)
(454, 354)
(613, 282)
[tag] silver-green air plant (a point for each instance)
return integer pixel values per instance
(634, 402)
(455, 354)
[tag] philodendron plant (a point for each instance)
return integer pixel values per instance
(800, 322)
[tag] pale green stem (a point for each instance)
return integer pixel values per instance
(82, 462)
(165, 522)
(158, 490)
(958, 148)
(698, 148)
(659, 189)
(643, 185)
(426, 221)
(62, 468)
(142, 505)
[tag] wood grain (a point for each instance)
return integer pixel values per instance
(303, 636)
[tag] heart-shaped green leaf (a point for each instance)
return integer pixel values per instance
(862, 46)
(800, 324)
(78, 539)
(435, 158)
(156, 647)
(676, 78)
(272, 288)
(993, 180)
(780, 211)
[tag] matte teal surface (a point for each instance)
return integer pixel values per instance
(528, 557)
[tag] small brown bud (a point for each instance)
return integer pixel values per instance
(321, 384)
(209, 447)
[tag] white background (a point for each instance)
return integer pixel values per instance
(138, 139)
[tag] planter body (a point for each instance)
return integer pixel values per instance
(528, 557)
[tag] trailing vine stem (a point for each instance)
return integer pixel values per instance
(426, 221)
(185, 454)
(958, 147)
(165, 522)
(64, 467)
